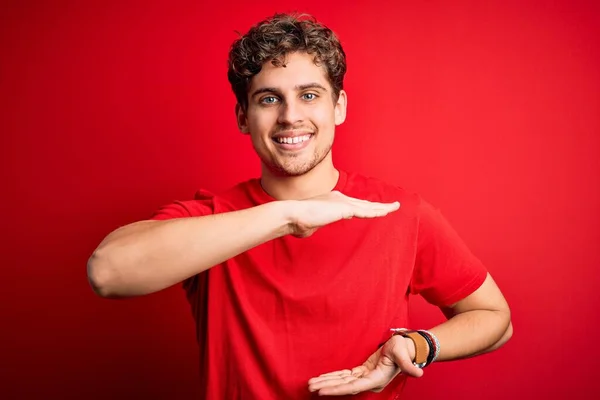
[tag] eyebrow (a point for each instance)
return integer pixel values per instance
(311, 85)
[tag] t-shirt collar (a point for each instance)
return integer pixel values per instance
(260, 196)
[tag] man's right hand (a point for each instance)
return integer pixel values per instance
(311, 214)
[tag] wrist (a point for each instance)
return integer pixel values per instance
(287, 213)
(418, 346)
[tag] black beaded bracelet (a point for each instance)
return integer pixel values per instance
(431, 348)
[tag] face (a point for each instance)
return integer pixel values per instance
(291, 115)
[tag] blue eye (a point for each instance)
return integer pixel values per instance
(309, 96)
(269, 100)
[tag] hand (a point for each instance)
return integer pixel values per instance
(392, 358)
(311, 214)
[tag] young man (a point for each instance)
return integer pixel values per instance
(297, 279)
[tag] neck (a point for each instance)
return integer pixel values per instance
(320, 180)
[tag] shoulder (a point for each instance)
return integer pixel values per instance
(206, 202)
(239, 196)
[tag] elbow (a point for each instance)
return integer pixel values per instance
(101, 275)
(506, 336)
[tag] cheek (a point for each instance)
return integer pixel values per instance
(262, 121)
(324, 118)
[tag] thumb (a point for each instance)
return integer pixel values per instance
(398, 352)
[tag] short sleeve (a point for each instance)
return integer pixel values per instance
(202, 204)
(446, 271)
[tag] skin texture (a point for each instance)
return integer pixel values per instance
(293, 100)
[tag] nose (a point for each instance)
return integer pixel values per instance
(290, 113)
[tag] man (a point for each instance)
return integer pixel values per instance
(298, 281)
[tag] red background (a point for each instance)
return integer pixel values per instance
(490, 110)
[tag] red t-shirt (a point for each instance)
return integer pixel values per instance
(290, 309)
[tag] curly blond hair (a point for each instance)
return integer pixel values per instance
(273, 38)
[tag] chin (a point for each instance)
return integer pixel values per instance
(292, 170)
(294, 166)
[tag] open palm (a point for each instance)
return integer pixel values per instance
(373, 375)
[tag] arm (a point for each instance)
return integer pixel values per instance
(148, 256)
(478, 324)
(480, 321)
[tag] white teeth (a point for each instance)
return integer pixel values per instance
(294, 140)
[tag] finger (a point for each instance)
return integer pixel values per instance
(380, 206)
(324, 380)
(321, 379)
(357, 372)
(373, 204)
(342, 372)
(354, 387)
(331, 382)
(363, 201)
(370, 212)
(330, 375)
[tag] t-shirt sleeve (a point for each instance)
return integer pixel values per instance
(201, 205)
(446, 271)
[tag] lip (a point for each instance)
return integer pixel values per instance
(292, 146)
(291, 134)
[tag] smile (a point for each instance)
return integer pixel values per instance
(293, 140)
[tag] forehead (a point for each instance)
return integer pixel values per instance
(299, 69)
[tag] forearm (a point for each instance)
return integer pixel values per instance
(472, 333)
(149, 256)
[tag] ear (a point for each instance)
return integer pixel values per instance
(242, 121)
(340, 108)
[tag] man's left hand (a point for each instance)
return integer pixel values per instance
(381, 367)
